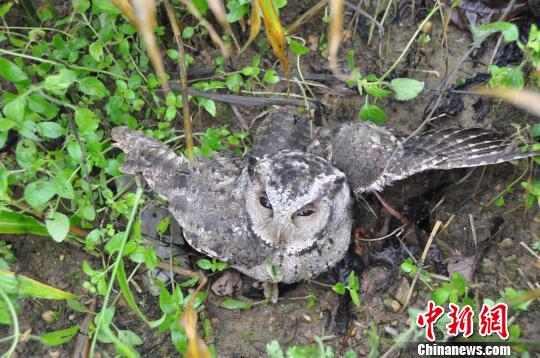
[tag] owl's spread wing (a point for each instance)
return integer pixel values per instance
(451, 148)
(205, 196)
(283, 128)
(372, 157)
(159, 165)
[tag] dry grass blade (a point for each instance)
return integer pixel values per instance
(126, 8)
(145, 15)
(525, 99)
(183, 78)
(334, 37)
(312, 12)
(226, 52)
(275, 33)
(221, 15)
(255, 24)
(196, 346)
(420, 263)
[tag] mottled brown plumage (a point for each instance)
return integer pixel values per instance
(288, 205)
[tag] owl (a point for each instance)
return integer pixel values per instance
(286, 210)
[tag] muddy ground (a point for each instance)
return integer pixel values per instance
(465, 195)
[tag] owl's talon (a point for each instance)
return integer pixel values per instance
(391, 210)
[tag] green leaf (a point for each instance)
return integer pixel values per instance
(352, 282)
(11, 72)
(273, 350)
(129, 337)
(373, 113)
(406, 88)
(80, 6)
(339, 288)
(23, 286)
(93, 87)
(50, 129)
(237, 10)
(59, 337)
(440, 295)
(355, 298)
(6, 124)
(297, 48)
(205, 264)
(170, 100)
(374, 90)
(509, 31)
(86, 120)
(26, 153)
(64, 188)
(188, 32)
(40, 105)
(16, 223)
(271, 77)
(408, 266)
(150, 258)
(5, 8)
(506, 76)
(57, 226)
(74, 151)
(173, 54)
(170, 113)
(232, 304)
(96, 50)
(126, 291)
(38, 193)
(60, 82)
(16, 109)
(4, 174)
(209, 105)
(234, 81)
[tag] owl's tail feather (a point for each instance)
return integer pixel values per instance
(459, 148)
(158, 164)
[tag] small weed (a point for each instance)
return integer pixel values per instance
(353, 286)
(213, 265)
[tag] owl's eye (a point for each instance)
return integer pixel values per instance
(305, 212)
(264, 202)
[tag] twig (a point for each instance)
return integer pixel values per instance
(176, 269)
(246, 100)
(438, 224)
(313, 11)
(473, 229)
(211, 31)
(409, 44)
(399, 230)
(83, 158)
(530, 250)
(183, 79)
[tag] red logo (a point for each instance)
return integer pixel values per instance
(461, 320)
(429, 318)
(490, 320)
(494, 320)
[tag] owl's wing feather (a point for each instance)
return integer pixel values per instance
(205, 196)
(158, 164)
(451, 148)
(283, 128)
(373, 157)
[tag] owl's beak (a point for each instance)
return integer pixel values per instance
(279, 237)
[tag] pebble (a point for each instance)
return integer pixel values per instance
(48, 316)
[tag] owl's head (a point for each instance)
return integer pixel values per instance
(298, 204)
